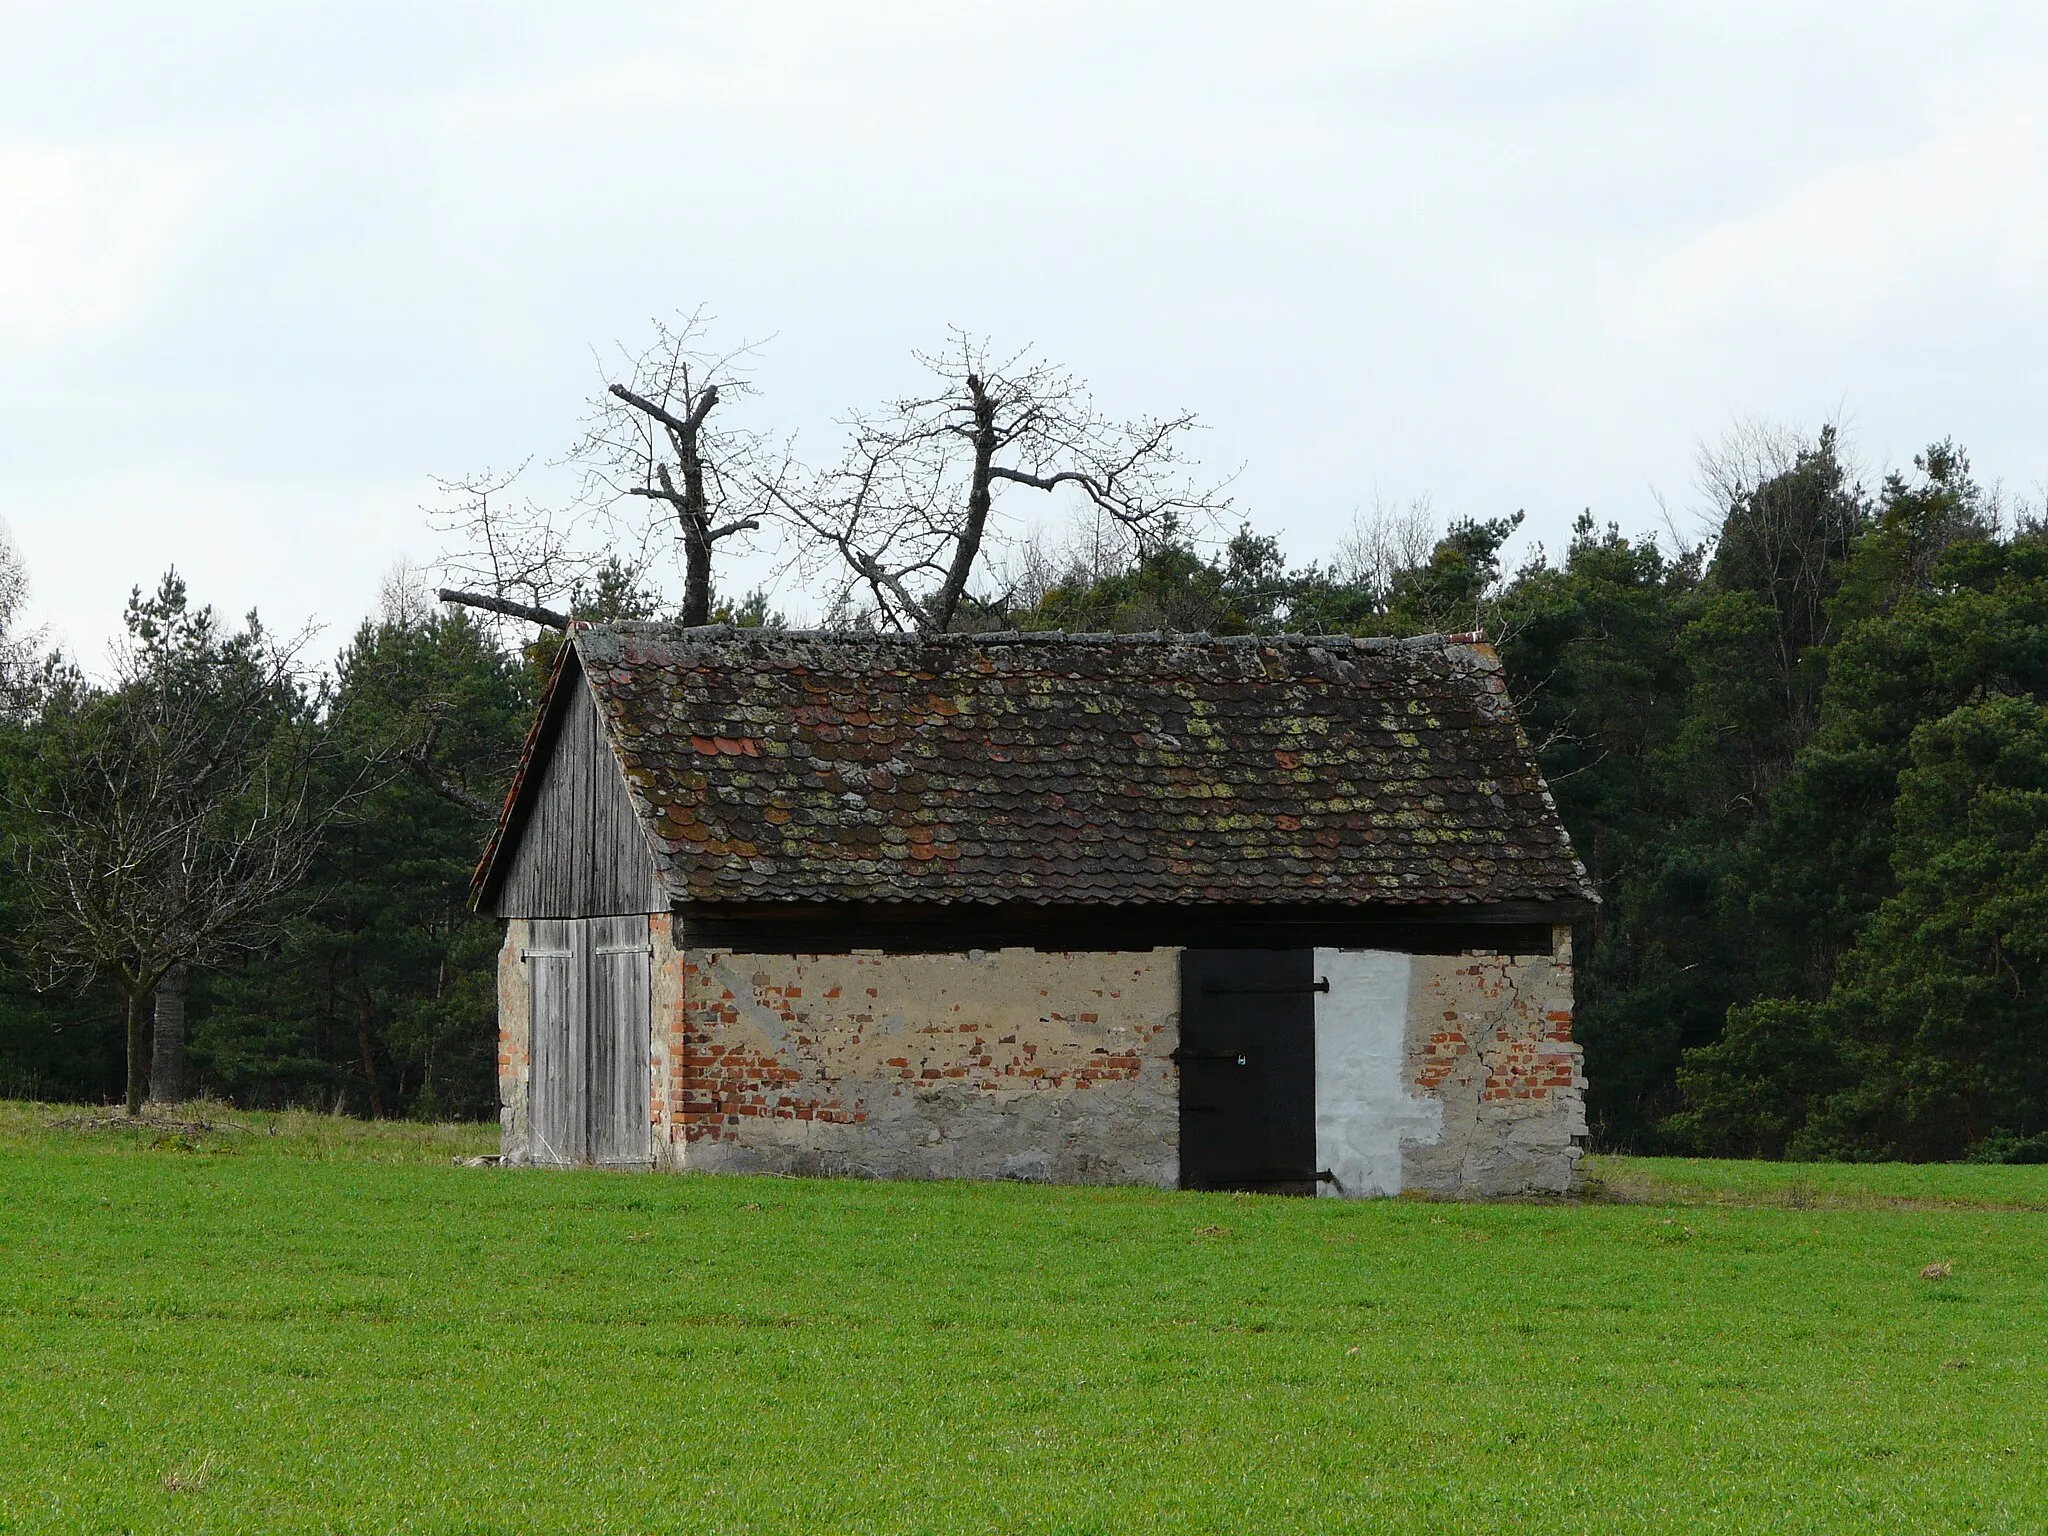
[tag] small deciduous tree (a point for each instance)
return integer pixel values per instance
(512, 557)
(1384, 542)
(174, 814)
(1790, 513)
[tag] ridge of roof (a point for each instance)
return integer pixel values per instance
(647, 629)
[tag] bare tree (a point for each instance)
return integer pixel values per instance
(1090, 549)
(908, 512)
(653, 440)
(660, 472)
(22, 680)
(1384, 541)
(178, 811)
(1750, 453)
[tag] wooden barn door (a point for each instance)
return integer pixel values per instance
(1247, 1070)
(620, 986)
(560, 1066)
(590, 984)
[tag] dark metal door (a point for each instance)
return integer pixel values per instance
(1248, 1070)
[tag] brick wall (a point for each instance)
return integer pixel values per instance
(1490, 1037)
(515, 1045)
(1006, 1063)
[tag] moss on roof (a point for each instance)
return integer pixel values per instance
(773, 766)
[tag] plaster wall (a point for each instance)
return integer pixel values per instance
(1448, 1074)
(515, 1043)
(1002, 1064)
(1490, 1039)
(1368, 1109)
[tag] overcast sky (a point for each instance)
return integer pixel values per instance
(265, 269)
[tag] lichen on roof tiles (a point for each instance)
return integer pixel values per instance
(812, 767)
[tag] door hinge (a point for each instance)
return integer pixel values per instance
(625, 949)
(547, 954)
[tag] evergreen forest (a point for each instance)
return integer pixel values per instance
(1804, 757)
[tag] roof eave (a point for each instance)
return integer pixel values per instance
(483, 884)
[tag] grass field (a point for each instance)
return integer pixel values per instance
(313, 1325)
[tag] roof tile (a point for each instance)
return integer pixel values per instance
(1056, 768)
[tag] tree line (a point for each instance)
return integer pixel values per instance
(1801, 754)
(233, 873)
(1804, 758)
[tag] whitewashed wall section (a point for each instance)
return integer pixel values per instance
(1366, 1109)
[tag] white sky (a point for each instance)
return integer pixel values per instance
(264, 269)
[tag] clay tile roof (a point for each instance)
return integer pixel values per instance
(809, 767)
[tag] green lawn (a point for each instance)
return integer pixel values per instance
(317, 1326)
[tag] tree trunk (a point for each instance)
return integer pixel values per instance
(135, 1003)
(945, 603)
(696, 517)
(167, 1049)
(692, 503)
(696, 578)
(364, 1008)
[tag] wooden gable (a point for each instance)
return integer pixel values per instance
(577, 847)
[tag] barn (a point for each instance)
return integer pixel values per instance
(1289, 914)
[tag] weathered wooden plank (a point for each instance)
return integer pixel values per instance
(620, 995)
(558, 1043)
(580, 851)
(591, 991)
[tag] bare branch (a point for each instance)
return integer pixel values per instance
(657, 493)
(511, 610)
(521, 555)
(476, 805)
(688, 425)
(419, 757)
